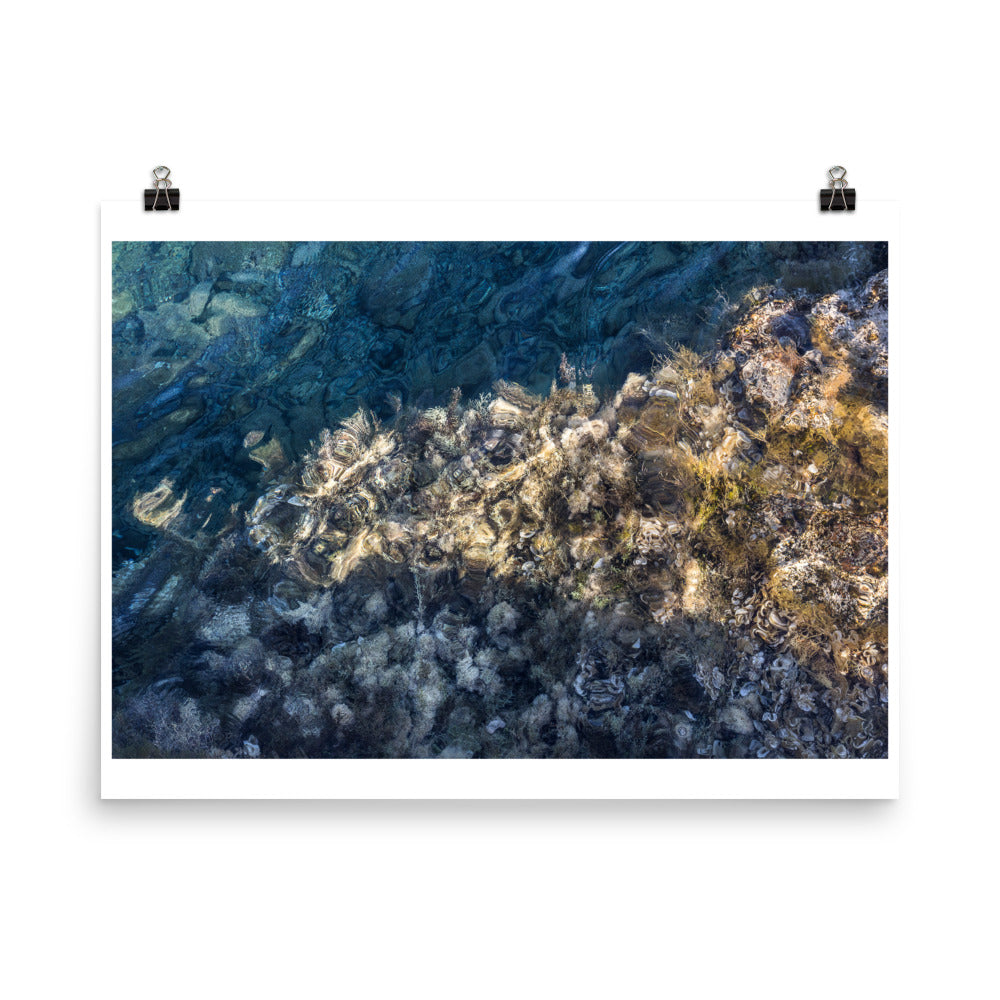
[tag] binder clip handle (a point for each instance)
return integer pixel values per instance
(838, 182)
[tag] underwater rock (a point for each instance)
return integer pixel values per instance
(392, 291)
(270, 455)
(198, 299)
(854, 327)
(477, 366)
(227, 626)
(156, 434)
(121, 305)
(768, 379)
(693, 563)
(159, 507)
(307, 253)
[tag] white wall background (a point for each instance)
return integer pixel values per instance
(515, 100)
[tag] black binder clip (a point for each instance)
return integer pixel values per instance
(838, 197)
(163, 197)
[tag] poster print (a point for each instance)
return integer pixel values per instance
(499, 500)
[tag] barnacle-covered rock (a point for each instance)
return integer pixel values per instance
(514, 491)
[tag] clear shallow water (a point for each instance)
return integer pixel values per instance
(231, 359)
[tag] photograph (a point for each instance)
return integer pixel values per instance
(499, 500)
(469, 530)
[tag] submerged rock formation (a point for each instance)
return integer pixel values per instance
(691, 563)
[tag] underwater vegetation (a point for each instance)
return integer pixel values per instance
(684, 560)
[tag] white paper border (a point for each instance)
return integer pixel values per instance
(502, 779)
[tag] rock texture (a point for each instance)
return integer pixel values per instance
(686, 560)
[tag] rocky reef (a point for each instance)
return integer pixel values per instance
(682, 558)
